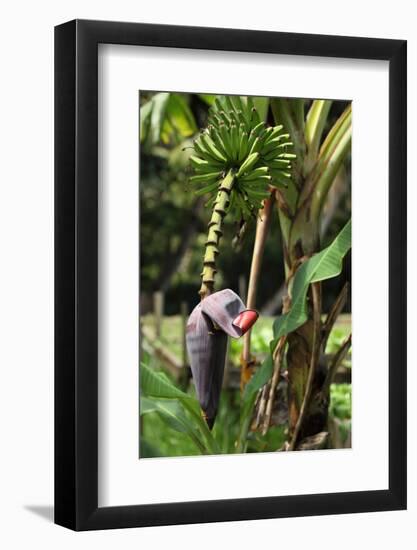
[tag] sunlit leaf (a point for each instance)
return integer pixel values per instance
(157, 389)
(261, 105)
(159, 105)
(157, 384)
(316, 120)
(170, 411)
(166, 115)
(324, 265)
(207, 98)
(145, 120)
(180, 116)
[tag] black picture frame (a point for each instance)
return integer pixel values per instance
(76, 271)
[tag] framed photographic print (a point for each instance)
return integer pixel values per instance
(230, 275)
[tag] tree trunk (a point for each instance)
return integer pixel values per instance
(300, 350)
(304, 346)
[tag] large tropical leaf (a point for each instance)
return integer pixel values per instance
(181, 116)
(324, 265)
(333, 152)
(172, 413)
(261, 105)
(163, 115)
(207, 98)
(157, 385)
(162, 396)
(314, 127)
(159, 106)
(169, 409)
(148, 449)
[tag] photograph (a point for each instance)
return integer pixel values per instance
(245, 274)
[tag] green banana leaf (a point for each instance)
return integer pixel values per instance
(157, 385)
(262, 106)
(324, 265)
(180, 116)
(169, 410)
(148, 449)
(207, 98)
(163, 115)
(314, 127)
(157, 391)
(172, 413)
(159, 107)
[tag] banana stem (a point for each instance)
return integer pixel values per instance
(215, 232)
(262, 228)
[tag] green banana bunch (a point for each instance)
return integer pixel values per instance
(236, 141)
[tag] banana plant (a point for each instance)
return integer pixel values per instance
(245, 165)
(300, 335)
(237, 160)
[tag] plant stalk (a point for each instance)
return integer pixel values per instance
(215, 231)
(315, 350)
(262, 228)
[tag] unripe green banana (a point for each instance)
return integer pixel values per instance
(248, 164)
(211, 148)
(263, 194)
(217, 120)
(206, 189)
(270, 145)
(243, 121)
(206, 178)
(287, 156)
(225, 118)
(256, 146)
(236, 102)
(198, 162)
(270, 155)
(224, 134)
(234, 138)
(243, 145)
(201, 150)
(234, 118)
(275, 148)
(281, 179)
(228, 104)
(261, 171)
(255, 117)
(250, 104)
(279, 163)
(218, 105)
(257, 131)
(276, 132)
(257, 180)
(218, 142)
(203, 166)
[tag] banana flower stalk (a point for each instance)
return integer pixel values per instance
(218, 316)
